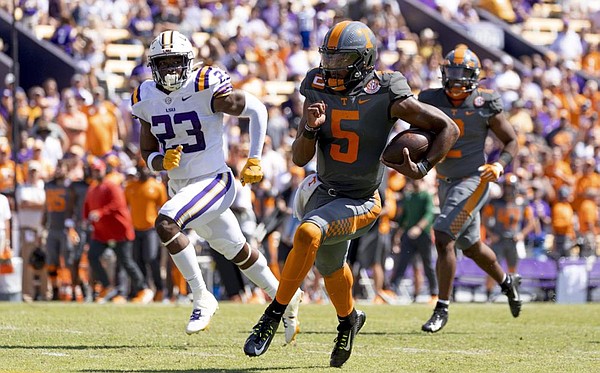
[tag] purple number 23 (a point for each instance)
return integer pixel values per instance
(164, 124)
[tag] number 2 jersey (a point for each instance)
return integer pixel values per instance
(472, 117)
(186, 117)
(356, 131)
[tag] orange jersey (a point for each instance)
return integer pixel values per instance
(145, 199)
(102, 131)
(588, 216)
(562, 218)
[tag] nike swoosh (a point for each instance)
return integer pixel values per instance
(185, 98)
(360, 102)
(349, 343)
(468, 113)
(259, 351)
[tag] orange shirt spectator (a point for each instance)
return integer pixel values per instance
(558, 170)
(562, 219)
(74, 123)
(145, 197)
(588, 216)
(102, 130)
(588, 182)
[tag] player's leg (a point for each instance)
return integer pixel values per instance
(224, 235)
(189, 201)
(487, 260)
(461, 201)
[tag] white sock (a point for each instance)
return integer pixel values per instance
(446, 302)
(261, 275)
(186, 262)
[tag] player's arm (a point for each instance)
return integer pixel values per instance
(149, 148)
(429, 118)
(505, 132)
(303, 147)
(244, 104)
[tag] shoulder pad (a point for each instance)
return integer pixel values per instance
(214, 78)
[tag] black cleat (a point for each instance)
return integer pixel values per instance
(437, 320)
(511, 290)
(262, 334)
(344, 341)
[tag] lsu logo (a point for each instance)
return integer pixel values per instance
(372, 86)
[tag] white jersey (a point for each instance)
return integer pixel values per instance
(186, 117)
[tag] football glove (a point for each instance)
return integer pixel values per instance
(491, 171)
(252, 172)
(172, 158)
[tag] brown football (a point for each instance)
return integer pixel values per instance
(417, 141)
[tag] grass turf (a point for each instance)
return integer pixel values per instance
(59, 337)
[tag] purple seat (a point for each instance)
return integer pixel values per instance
(468, 275)
(538, 274)
(593, 278)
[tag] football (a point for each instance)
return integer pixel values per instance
(417, 141)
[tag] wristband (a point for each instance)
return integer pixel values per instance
(150, 159)
(69, 223)
(424, 166)
(311, 129)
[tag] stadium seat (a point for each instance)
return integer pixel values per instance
(44, 31)
(124, 51)
(468, 275)
(119, 67)
(113, 34)
(593, 279)
(539, 37)
(538, 275)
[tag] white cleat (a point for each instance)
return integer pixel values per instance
(290, 318)
(202, 313)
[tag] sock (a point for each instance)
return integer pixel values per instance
(346, 322)
(442, 304)
(186, 262)
(505, 284)
(275, 310)
(260, 274)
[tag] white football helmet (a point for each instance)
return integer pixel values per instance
(170, 44)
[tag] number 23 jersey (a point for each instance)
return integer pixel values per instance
(186, 117)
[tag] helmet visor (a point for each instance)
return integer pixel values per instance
(338, 61)
(458, 72)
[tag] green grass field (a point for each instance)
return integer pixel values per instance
(58, 337)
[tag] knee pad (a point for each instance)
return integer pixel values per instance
(307, 237)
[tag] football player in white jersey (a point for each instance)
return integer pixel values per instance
(181, 112)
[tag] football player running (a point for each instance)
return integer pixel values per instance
(349, 112)
(464, 176)
(181, 112)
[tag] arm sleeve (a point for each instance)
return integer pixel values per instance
(257, 112)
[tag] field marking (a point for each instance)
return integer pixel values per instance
(59, 354)
(425, 350)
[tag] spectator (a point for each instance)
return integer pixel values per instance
(103, 125)
(508, 220)
(73, 122)
(568, 45)
(563, 227)
(415, 224)
(65, 35)
(31, 199)
(5, 227)
(54, 218)
(106, 210)
(145, 195)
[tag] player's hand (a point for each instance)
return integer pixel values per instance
(407, 168)
(172, 158)
(491, 171)
(252, 172)
(316, 114)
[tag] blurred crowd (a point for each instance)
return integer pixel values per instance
(63, 133)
